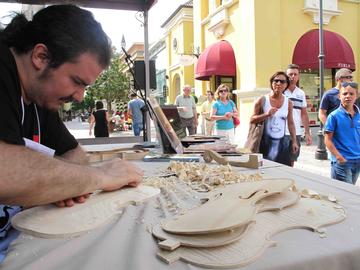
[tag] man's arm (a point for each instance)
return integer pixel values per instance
(322, 116)
(76, 155)
(129, 110)
(305, 122)
(291, 126)
(30, 178)
(330, 145)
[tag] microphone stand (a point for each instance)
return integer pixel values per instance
(136, 90)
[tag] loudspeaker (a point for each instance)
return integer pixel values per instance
(139, 71)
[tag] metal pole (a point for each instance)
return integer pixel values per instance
(321, 153)
(147, 128)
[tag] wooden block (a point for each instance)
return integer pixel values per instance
(123, 153)
(49, 221)
(307, 214)
(254, 162)
(133, 154)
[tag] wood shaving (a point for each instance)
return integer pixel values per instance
(308, 193)
(205, 177)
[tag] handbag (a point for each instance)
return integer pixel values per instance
(255, 134)
(236, 121)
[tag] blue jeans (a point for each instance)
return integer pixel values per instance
(348, 172)
(137, 127)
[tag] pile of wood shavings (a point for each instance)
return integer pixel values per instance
(204, 177)
(168, 183)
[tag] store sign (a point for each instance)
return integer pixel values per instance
(343, 65)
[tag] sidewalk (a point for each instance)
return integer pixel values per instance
(306, 161)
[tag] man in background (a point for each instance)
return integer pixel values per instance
(342, 136)
(187, 110)
(300, 115)
(135, 112)
(207, 123)
(330, 100)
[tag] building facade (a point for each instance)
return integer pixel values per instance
(264, 37)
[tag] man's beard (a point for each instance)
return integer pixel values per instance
(47, 75)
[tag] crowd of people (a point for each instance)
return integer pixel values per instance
(286, 121)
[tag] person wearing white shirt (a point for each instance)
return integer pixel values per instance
(300, 116)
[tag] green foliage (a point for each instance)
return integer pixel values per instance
(195, 98)
(111, 85)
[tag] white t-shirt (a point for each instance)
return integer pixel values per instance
(275, 125)
(298, 99)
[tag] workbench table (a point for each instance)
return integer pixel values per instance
(125, 243)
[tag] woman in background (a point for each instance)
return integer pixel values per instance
(101, 119)
(276, 109)
(223, 112)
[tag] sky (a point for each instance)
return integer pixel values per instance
(119, 22)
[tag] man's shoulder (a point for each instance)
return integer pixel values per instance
(331, 92)
(299, 91)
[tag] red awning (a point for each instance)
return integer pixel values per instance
(217, 59)
(338, 53)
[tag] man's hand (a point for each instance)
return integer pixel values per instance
(119, 173)
(294, 147)
(341, 160)
(115, 174)
(308, 138)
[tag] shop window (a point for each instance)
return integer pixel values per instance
(310, 84)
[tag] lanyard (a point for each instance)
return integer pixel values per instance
(36, 138)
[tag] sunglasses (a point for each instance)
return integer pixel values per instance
(279, 81)
(347, 77)
(223, 91)
(351, 84)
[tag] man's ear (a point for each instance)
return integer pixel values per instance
(40, 56)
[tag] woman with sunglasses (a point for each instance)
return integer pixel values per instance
(276, 110)
(223, 112)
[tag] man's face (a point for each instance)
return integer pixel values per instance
(187, 91)
(348, 96)
(53, 87)
(347, 77)
(293, 74)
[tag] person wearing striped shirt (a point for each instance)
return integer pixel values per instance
(300, 115)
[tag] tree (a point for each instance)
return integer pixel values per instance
(112, 84)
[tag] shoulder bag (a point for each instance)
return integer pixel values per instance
(255, 133)
(236, 119)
